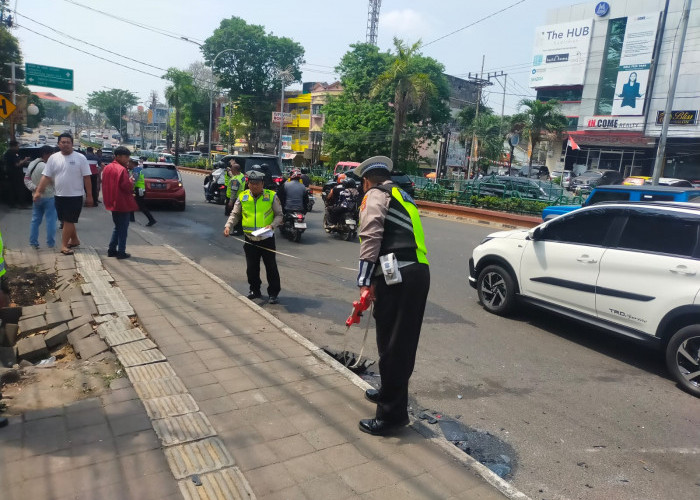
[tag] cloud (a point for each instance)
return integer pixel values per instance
(406, 23)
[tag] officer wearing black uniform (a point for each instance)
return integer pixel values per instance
(394, 268)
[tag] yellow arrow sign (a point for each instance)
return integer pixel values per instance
(6, 107)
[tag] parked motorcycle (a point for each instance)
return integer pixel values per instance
(293, 225)
(214, 187)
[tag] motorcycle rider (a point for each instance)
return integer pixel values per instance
(342, 200)
(295, 196)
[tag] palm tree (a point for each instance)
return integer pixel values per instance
(412, 88)
(538, 119)
(177, 95)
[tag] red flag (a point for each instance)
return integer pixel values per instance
(572, 144)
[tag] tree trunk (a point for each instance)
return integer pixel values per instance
(399, 119)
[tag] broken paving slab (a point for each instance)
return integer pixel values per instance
(36, 310)
(79, 321)
(54, 318)
(140, 357)
(32, 348)
(228, 483)
(57, 335)
(134, 347)
(116, 308)
(33, 324)
(80, 333)
(207, 455)
(159, 388)
(125, 337)
(170, 406)
(183, 428)
(90, 346)
(114, 325)
(102, 319)
(150, 372)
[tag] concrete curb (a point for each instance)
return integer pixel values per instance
(478, 468)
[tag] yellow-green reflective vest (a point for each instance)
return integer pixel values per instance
(2, 258)
(140, 181)
(227, 183)
(257, 212)
(240, 178)
(403, 231)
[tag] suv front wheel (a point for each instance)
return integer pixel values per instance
(683, 358)
(496, 289)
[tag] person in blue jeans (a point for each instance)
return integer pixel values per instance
(43, 206)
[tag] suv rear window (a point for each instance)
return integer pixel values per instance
(600, 196)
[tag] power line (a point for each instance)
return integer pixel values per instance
(475, 22)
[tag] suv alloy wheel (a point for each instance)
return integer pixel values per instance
(683, 358)
(496, 289)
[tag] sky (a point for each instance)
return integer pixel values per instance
(146, 37)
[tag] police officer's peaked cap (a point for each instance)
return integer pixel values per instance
(256, 175)
(373, 164)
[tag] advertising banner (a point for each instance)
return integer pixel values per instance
(635, 63)
(560, 54)
(623, 124)
(277, 117)
(684, 117)
(287, 142)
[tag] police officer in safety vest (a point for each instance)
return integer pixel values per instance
(234, 180)
(140, 191)
(394, 269)
(260, 212)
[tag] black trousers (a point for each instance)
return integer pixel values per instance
(254, 251)
(94, 178)
(141, 202)
(398, 311)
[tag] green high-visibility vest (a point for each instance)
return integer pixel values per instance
(227, 183)
(229, 190)
(403, 231)
(256, 213)
(2, 258)
(140, 182)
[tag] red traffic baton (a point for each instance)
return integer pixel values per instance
(357, 307)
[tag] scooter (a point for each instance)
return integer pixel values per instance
(346, 226)
(214, 187)
(312, 200)
(293, 225)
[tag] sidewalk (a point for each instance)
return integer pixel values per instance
(241, 407)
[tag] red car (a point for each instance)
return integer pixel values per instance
(164, 184)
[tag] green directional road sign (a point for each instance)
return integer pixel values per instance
(48, 76)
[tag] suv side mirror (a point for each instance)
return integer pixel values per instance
(535, 233)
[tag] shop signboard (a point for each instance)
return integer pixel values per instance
(287, 142)
(619, 123)
(560, 54)
(683, 117)
(277, 116)
(635, 64)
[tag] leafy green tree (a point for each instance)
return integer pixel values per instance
(10, 53)
(178, 94)
(114, 103)
(232, 125)
(411, 86)
(537, 119)
(250, 70)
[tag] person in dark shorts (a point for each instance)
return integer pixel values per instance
(70, 173)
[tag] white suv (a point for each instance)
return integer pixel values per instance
(630, 268)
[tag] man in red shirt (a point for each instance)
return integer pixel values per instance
(118, 198)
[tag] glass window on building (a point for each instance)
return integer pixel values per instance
(611, 63)
(562, 94)
(571, 122)
(316, 109)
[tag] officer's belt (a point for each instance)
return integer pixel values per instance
(399, 264)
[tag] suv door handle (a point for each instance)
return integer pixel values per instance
(681, 269)
(586, 259)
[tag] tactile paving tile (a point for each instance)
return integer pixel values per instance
(125, 337)
(136, 358)
(136, 346)
(170, 406)
(183, 428)
(159, 388)
(150, 372)
(227, 483)
(119, 324)
(207, 455)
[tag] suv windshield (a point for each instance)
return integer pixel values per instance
(160, 173)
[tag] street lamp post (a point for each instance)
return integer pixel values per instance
(211, 96)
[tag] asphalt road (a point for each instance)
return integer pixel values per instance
(589, 416)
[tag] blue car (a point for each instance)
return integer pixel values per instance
(627, 193)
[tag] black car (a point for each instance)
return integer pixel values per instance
(505, 185)
(404, 182)
(107, 156)
(269, 164)
(537, 172)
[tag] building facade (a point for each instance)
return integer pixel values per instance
(610, 64)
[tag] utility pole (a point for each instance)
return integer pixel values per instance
(13, 83)
(284, 76)
(661, 151)
(479, 81)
